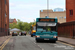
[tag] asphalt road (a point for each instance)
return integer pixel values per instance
(29, 43)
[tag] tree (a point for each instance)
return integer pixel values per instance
(23, 26)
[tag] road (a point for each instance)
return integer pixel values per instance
(29, 43)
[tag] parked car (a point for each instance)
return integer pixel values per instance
(19, 33)
(14, 34)
(23, 33)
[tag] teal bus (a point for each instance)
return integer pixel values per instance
(46, 29)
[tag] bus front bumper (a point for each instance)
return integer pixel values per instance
(51, 39)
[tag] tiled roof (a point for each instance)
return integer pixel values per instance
(11, 20)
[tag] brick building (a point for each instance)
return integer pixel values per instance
(61, 16)
(70, 10)
(4, 17)
(12, 21)
(68, 29)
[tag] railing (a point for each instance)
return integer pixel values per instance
(4, 32)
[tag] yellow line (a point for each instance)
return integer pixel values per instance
(66, 44)
(5, 43)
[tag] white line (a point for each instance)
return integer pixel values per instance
(34, 43)
(38, 46)
(42, 49)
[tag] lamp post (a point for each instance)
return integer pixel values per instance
(47, 8)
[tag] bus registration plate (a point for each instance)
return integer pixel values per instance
(46, 39)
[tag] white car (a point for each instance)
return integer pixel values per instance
(20, 34)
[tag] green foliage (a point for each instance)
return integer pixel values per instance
(23, 26)
(14, 25)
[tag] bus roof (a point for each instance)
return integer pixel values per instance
(46, 18)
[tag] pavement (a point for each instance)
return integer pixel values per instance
(3, 39)
(67, 40)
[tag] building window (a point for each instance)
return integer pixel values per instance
(60, 17)
(46, 16)
(71, 12)
(5, 1)
(41, 10)
(5, 14)
(65, 17)
(56, 17)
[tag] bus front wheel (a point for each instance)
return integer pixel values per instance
(54, 41)
(31, 35)
(37, 41)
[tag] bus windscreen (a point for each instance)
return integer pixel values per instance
(45, 24)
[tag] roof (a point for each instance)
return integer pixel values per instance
(15, 29)
(51, 11)
(46, 10)
(11, 20)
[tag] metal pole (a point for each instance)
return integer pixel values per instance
(48, 8)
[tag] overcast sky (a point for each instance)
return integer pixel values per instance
(27, 10)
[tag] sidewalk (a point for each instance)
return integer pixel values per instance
(3, 38)
(67, 40)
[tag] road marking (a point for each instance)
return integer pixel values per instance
(38, 46)
(34, 43)
(42, 49)
(3, 45)
(66, 44)
(4, 42)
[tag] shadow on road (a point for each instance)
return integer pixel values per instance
(45, 42)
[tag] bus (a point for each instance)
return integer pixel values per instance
(33, 30)
(46, 29)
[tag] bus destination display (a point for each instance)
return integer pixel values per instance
(53, 20)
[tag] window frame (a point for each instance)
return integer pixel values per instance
(46, 16)
(71, 12)
(5, 1)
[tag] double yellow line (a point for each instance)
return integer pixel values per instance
(66, 44)
(3, 45)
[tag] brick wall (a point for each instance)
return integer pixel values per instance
(14, 21)
(70, 5)
(67, 29)
(60, 15)
(4, 19)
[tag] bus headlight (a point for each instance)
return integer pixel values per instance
(38, 36)
(54, 36)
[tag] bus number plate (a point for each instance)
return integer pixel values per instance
(46, 39)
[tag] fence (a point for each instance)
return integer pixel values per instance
(67, 29)
(3, 32)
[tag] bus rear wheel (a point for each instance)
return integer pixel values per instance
(54, 41)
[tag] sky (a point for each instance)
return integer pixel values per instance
(28, 10)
